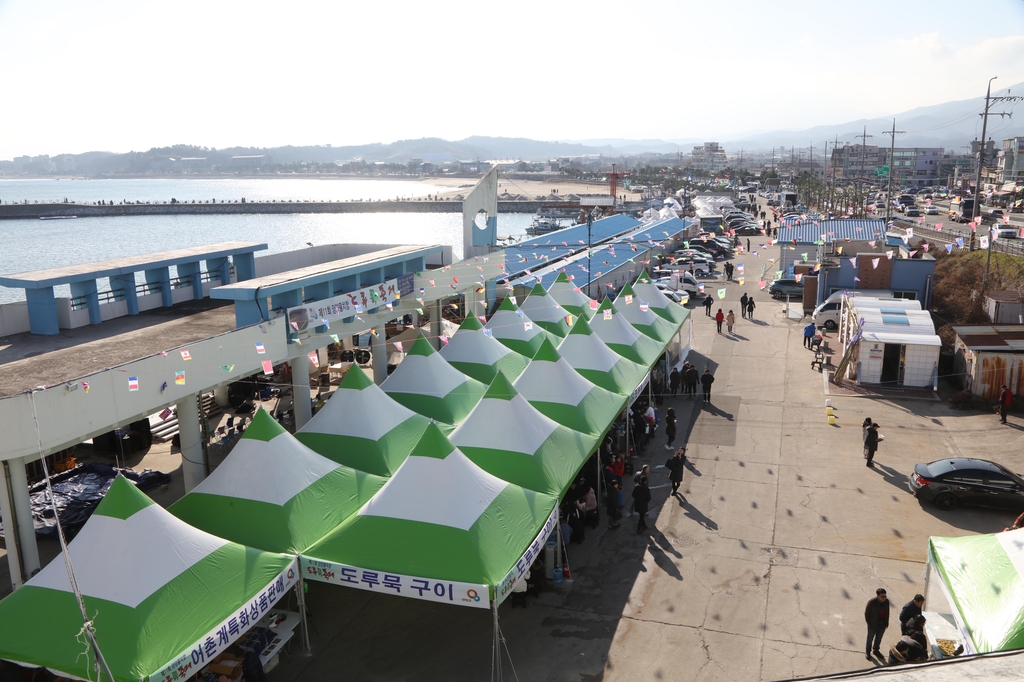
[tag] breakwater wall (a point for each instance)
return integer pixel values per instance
(29, 211)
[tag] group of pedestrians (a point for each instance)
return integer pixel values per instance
(912, 645)
(687, 379)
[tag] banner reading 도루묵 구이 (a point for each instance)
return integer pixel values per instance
(336, 308)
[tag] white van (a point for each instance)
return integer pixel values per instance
(827, 313)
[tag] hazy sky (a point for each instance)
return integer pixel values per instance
(118, 75)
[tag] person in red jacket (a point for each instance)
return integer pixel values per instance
(719, 319)
(1005, 400)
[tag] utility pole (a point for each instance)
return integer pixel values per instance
(773, 159)
(981, 164)
(863, 150)
(892, 167)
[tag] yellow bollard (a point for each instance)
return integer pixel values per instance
(831, 420)
(828, 410)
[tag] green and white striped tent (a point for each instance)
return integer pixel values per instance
(598, 363)
(164, 597)
(639, 314)
(570, 296)
(441, 529)
(425, 383)
(512, 327)
(508, 437)
(274, 493)
(622, 337)
(363, 428)
(558, 391)
(661, 304)
(982, 578)
(474, 352)
(545, 311)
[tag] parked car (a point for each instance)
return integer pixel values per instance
(947, 483)
(931, 210)
(913, 212)
(781, 288)
(1006, 232)
(747, 230)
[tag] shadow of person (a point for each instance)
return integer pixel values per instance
(741, 337)
(710, 407)
(695, 514)
(663, 542)
(661, 559)
(760, 323)
(690, 465)
(892, 477)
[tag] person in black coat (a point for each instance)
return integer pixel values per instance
(871, 444)
(692, 377)
(641, 502)
(876, 615)
(706, 380)
(675, 466)
(673, 380)
(910, 610)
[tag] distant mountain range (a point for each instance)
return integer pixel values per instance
(950, 125)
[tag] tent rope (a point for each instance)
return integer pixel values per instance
(87, 627)
(501, 636)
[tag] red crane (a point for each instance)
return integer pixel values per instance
(613, 177)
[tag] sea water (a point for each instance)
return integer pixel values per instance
(39, 244)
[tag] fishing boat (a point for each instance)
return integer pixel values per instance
(58, 217)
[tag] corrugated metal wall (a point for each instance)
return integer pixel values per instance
(992, 370)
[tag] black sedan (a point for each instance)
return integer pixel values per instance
(947, 483)
(782, 288)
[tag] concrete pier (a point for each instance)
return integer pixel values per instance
(29, 211)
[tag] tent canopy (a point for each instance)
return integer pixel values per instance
(984, 576)
(154, 587)
(477, 354)
(427, 384)
(639, 314)
(515, 329)
(570, 296)
(509, 438)
(559, 392)
(363, 428)
(597, 363)
(661, 304)
(545, 311)
(274, 493)
(440, 519)
(622, 337)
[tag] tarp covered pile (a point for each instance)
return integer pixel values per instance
(441, 484)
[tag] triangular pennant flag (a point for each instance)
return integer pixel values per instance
(874, 262)
(721, 293)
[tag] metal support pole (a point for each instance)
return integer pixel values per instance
(193, 460)
(379, 353)
(301, 405)
(981, 162)
(300, 588)
(496, 659)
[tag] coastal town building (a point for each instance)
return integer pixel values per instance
(709, 157)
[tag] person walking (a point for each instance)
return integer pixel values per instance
(871, 444)
(612, 504)
(641, 502)
(675, 465)
(748, 246)
(719, 319)
(673, 381)
(692, 377)
(876, 615)
(809, 332)
(706, 380)
(730, 321)
(707, 305)
(670, 427)
(750, 308)
(1005, 400)
(743, 305)
(645, 470)
(910, 610)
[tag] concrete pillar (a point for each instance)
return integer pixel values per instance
(300, 391)
(193, 272)
(286, 299)
(245, 266)
(162, 276)
(222, 267)
(90, 293)
(220, 396)
(22, 509)
(126, 283)
(379, 351)
(7, 513)
(42, 311)
(251, 312)
(193, 464)
(435, 324)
